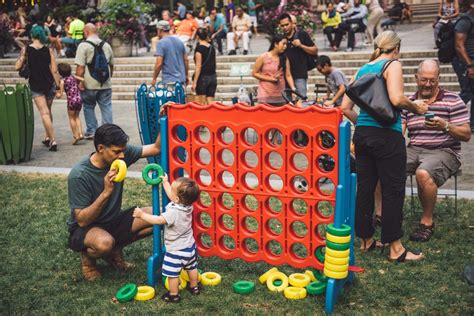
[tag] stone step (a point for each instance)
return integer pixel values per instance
(248, 59)
(223, 81)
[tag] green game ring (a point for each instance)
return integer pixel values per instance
(277, 283)
(243, 287)
(345, 230)
(320, 276)
(315, 288)
(127, 292)
(320, 254)
(335, 246)
(152, 167)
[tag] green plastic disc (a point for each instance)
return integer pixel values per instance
(277, 283)
(335, 246)
(152, 167)
(320, 254)
(315, 288)
(127, 292)
(320, 276)
(243, 287)
(345, 230)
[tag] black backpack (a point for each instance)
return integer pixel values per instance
(445, 41)
(99, 66)
(310, 59)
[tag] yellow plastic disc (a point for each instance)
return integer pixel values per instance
(338, 239)
(333, 260)
(337, 253)
(145, 293)
(336, 267)
(121, 168)
(184, 275)
(294, 293)
(182, 283)
(311, 275)
(335, 275)
(299, 280)
(263, 278)
(210, 278)
(277, 276)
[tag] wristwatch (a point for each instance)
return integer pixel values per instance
(446, 129)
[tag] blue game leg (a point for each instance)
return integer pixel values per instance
(155, 261)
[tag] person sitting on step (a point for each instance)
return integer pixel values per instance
(241, 25)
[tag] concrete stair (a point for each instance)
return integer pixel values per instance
(129, 73)
(424, 13)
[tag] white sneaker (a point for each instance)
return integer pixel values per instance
(349, 49)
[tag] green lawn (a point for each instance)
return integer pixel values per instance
(39, 275)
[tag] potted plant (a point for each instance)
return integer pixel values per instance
(120, 24)
(305, 17)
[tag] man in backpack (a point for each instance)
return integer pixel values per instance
(300, 46)
(97, 86)
(463, 62)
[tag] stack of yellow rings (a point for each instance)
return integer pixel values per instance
(336, 259)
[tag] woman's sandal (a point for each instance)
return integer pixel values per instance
(46, 141)
(195, 290)
(168, 298)
(403, 257)
(371, 247)
(53, 146)
(422, 233)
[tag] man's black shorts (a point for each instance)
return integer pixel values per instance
(120, 228)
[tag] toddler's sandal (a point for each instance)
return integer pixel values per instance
(196, 290)
(168, 298)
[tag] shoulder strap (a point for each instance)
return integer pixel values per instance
(95, 46)
(385, 66)
(208, 56)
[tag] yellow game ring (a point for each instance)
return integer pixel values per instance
(210, 278)
(277, 276)
(299, 280)
(311, 275)
(182, 283)
(294, 293)
(121, 168)
(336, 275)
(338, 239)
(337, 253)
(145, 293)
(184, 275)
(263, 278)
(336, 267)
(338, 261)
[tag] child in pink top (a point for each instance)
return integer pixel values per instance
(70, 84)
(271, 69)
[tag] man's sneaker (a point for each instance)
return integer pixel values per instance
(89, 268)
(232, 52)
(245, 52)
(115, 259)
(89, 136)
(349, 49)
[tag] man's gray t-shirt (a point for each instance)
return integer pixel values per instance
(178, 230)
(172, 50)
(334, 80)
(86, 183)
(466, 25)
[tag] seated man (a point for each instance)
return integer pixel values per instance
(355, 20)
(217, 27)
(241, 25)
(97, 226)
(433, 153)
(75, 32)
(336, 81)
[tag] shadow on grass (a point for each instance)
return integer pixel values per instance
(39, 275)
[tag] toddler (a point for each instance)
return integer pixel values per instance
(69, 83)
(179, 239)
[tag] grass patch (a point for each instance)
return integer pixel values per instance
(39, 275)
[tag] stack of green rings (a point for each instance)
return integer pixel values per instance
(336, 259)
